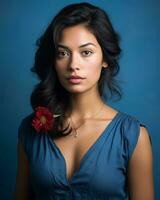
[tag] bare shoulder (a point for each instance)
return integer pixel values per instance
(140, 170)
(143, 150)
(144, 139)
(143, 144)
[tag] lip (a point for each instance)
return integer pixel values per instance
(75, 79)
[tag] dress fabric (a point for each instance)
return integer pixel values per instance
(102, 171)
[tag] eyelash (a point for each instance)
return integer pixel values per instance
(60, 52)
(62, 56)
(90, 52)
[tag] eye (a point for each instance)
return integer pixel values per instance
(62, 53)
(86, 53)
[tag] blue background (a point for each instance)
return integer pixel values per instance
(22, 22)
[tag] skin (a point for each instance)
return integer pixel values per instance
(83, 57)
(76, 59)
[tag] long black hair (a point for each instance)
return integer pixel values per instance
(49, 92)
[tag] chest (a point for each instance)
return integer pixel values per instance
(75, 148)
(93, 163)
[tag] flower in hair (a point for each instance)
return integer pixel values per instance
(43, 120)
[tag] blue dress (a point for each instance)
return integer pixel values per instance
(102, 174)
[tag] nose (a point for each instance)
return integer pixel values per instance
(74, 63)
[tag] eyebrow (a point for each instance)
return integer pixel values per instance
(83, 45)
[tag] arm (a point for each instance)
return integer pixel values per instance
(140, 172)
(23, 188)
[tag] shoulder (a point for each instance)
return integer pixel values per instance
(130, 122)
(141, 163)
(128, 117)
(111, 113)
(132, 126)
(144, 143)
(135, 133)
(125, 121)
(143, 150)
(25, 129)
(26, 134)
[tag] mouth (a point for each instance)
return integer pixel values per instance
(75, 79)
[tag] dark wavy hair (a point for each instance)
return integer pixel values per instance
(49, 92)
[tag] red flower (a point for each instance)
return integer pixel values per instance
(43, 120)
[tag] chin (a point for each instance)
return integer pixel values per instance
(78, 90)
(75, 90)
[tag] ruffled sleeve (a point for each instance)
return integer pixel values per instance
(131, 132)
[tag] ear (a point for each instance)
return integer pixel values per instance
(104, 65)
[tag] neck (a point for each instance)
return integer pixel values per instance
(83, 106)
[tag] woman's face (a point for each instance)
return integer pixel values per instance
(79, 60)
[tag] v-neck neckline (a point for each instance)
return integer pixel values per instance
(106, 129)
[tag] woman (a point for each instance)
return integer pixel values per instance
(75, 146)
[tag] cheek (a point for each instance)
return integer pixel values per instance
(59, 68)
(96, 61)
(94, 68)
(93, 75)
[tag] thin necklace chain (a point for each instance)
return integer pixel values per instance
(76, 129)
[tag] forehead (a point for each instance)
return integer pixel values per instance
(77, 36)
